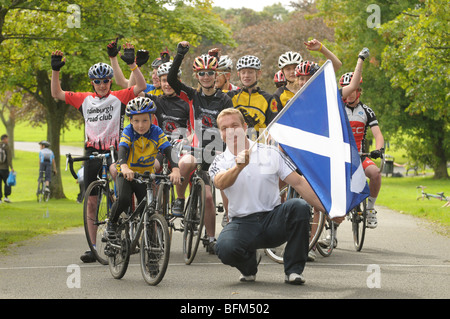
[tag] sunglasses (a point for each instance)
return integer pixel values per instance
(100, 81)
(210, 73)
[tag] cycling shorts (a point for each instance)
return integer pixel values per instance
(367, 162)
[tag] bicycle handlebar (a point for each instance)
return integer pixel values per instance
(70, 159)
(148, 177)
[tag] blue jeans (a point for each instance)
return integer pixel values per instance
(288, 222)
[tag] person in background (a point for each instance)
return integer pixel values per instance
(47, 163)
(5, 165)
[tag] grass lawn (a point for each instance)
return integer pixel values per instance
(401, 194)
(25, 218)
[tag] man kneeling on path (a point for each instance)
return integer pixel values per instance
(249, 177)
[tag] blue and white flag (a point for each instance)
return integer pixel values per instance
(314, 131)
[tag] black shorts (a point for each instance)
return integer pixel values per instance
(93, 168)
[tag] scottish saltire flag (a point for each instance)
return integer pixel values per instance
(313, 129)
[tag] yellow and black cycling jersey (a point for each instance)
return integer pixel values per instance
(155, 91)
(259, 108)
(282, 95)
(141, 150)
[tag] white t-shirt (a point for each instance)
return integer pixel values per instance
(256, 187)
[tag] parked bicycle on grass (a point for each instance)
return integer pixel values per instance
(441, 196)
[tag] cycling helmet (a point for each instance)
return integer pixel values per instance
(248, 61)
(346, 78)
(45, 143)
(306, 68)
(279, 77)
(205, 62)
(289, 58)
(164, 69)
(140, 105)
(101, 71)
(163, 58)
(225, 63)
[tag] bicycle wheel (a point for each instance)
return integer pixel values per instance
(119, 253)
(359, 223)
(327, 241)
(46, 195)
(194, 216)
(155, 248)
(100, 198)
(166, 196)
(40, 190)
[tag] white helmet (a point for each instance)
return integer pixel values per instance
(225, 63)
(248, 61)
(164, 69)
(289, 58)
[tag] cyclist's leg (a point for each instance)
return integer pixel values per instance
(186, 165)
(374, 175)
(91, 168)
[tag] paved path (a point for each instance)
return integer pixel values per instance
(402, 258)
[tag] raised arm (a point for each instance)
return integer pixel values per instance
(356, 79)
(128, 58)
(316, 45)
(58, 61)
(113, 50)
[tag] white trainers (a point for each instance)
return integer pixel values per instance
(251, 278)
(295, 279)
(6, 200)
(372, 221)
(311, 256)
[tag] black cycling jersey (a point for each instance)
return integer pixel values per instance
(205, 108)
(172, 114)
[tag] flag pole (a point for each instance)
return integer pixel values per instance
(288, 105)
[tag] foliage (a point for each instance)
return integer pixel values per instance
(399, 63)
(31, 30)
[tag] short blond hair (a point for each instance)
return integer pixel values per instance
(231, 111)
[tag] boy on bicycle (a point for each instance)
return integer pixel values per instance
(138, 148)
(103, 111)
(46, 163)
(362, 117)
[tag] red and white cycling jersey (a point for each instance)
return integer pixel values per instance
(103, 117)
(360, 117)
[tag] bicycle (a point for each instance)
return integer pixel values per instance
(194, 212)
(317, 222)
(43, 192)
(165, 198)
(103, 191)
(144, 227)
(358, 215)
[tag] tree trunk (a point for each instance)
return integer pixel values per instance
(56, 111)
(440, 158)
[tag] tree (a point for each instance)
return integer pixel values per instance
(361, 24)
(417, 59)
(31, 30)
